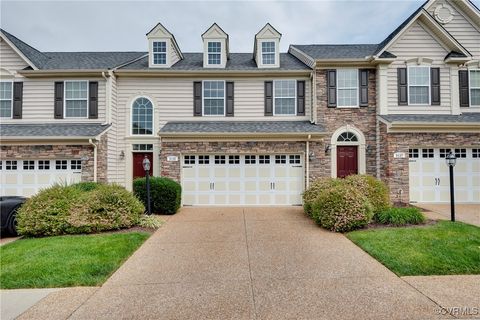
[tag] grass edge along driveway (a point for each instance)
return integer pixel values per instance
(445, 248)
(65, 261)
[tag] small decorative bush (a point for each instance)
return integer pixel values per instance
(150, 222)
(69, 209)
(375, 190)
(165, 194)
(400, 216)
(342, 208)
(314, 190)
(86, 186)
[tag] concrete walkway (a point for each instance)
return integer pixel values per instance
(468, 213)
(245, 263)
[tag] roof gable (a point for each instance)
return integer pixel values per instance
(159, 31)
(268, 32)
(431, 26)
(214, 32)
(34, 58)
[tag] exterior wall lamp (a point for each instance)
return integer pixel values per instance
(327, 148)
(311, 156)
(451, 160)
(122, 155)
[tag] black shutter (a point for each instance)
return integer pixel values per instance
(435, 86)
(331, 88)
(17, 100)
(363, 74)
(269, 98)
(300, 98)
(464, 91)
(402, 86)
(93, 100)
(230, 89)
(197, 98)
(58, 108)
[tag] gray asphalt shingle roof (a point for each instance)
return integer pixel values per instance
(337, 51)
(237, 61)
(434, 118)
(35, 56)
(88, 60)
(52, 130)
(242, 127)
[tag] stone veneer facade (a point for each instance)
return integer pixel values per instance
(395, 171)
(172, 169)
(362, 118)
(63, 151)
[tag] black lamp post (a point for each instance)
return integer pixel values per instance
(146, 167)
(451, 161)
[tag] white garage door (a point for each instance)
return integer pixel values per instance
(429, 175)
(253, 179)
(27, 177)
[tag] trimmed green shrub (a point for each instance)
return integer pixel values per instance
(86, 186)
(68, 210)
(314, 190)
(375, 190)
(400, 216)
(150, 222)
(342, 208)
(165, 194)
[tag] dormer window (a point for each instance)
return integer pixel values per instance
(268, 52)
(214, 52)
(159, 52)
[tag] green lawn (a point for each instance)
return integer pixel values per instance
(81, 260)
(440, 249)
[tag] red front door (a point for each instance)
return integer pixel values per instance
(347, 162)
(138, 163)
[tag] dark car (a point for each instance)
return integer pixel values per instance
(8, 210)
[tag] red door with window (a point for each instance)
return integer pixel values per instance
(138, 163)
(347, 162)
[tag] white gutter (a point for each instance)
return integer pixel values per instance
(94, 159)
(307, 162)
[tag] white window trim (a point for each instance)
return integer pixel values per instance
(274, 53)
(131, 118)
(224, 99)
(11, 101)
(429, 86)
(349, 88)
(274, 98)
(153, 53)
(65, 99)
(469, 89)
(219, 53)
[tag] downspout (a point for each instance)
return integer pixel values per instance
(94, 159)
(377, 156)
(307, 161)
(313, 100)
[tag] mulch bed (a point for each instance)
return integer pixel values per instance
(374, 225)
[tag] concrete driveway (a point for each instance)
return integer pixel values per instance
(246, 263)
(468, 213)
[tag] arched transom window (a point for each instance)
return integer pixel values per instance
(347, 137)
(142, 116)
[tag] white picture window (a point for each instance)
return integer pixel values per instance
(159, 52)
(142, 117)
(285, 92)
(214, 52)
(347, 87)
(214, 98)
(76, 99)
(474, 84)
(6, 98)
(418, 85)
(268, 52)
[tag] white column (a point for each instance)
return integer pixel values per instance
(382, 88)
(454, 90)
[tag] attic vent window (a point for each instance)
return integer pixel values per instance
(443, 13)
(214, 52)
(268, 52)
(159, 52)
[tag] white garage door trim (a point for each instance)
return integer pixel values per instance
(429, 175)
(27, 177)
(242, 179)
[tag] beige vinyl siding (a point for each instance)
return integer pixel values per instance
(113, 155)
(461, 29)
(417, 42)
(9, 59)
(38, 102)
(173, 53)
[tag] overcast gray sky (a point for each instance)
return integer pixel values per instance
(122, 25)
